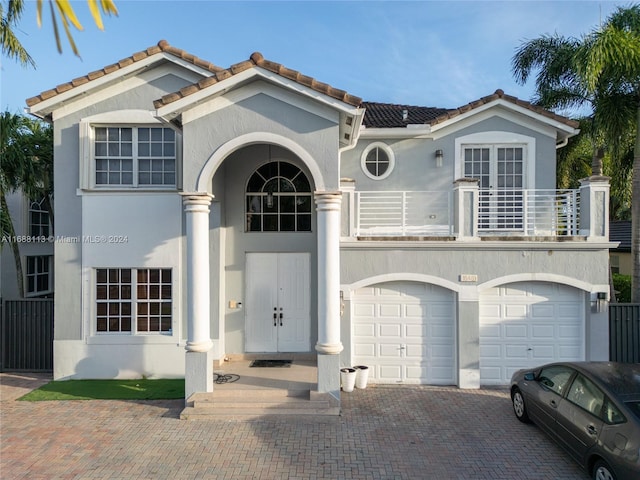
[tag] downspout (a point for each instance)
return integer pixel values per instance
(563, 143)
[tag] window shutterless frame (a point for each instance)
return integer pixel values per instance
(133, 156)
(377, 161)
(133, 301)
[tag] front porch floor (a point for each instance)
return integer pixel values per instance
(242, 391)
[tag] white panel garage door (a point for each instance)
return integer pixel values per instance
(526, 324)
(405, 333)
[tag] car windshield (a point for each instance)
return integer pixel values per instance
(635, 407)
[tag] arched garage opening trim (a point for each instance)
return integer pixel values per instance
(203, 183)
(394, 277)
(542, 277)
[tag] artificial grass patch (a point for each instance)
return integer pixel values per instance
(143, 389)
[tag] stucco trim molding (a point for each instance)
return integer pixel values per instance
(394, 277)
(203, 183)
(539, 277)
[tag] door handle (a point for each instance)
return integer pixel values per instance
(553, 404)
(275, 317)
(591, 430)
(281, 316)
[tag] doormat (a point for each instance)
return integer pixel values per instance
(271, 363)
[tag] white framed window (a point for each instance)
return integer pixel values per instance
(278, 199)
(377, 161)
(39, 281)
(134, 301)
(39, 224)
(497, 167)
(134, 156)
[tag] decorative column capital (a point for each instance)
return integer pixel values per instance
(196, 201)
(328, 200)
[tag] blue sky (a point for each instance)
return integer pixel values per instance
(429, 53)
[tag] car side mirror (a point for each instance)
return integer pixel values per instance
(530, 376)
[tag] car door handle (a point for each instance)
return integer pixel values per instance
(553, 404)
(591, 430)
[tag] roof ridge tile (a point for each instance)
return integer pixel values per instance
(162, 46)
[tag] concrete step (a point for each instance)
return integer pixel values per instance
(256, 403)
(191, 413)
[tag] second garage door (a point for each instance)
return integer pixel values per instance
(527, 324)
(405, 333)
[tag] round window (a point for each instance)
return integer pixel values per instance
(377, 161)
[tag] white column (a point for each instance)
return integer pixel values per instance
(328, 208)
(199, 366)
(329, 345)
(196, 208)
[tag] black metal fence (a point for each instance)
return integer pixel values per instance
(624, 332)
(26, 335)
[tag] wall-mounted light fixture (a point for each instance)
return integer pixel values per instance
(598, 301)
(439, 157)
(269, 200)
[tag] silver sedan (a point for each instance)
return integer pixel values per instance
(592, 409)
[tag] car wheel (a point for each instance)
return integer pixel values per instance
(519, 407)
(602, 471)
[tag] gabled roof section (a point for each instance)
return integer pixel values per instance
(387, 115)
(257, 60)
(390, 115)
(162, 47)
(500, 95)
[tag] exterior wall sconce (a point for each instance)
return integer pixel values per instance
(439, 158)
(598, 301)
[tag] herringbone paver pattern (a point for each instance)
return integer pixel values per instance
(384, 433)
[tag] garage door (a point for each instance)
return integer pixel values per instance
(526, 324)
(405, 333)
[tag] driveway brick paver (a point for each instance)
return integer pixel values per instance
(385, 432)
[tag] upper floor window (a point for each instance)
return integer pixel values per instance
(495, 166)
(377, 161)
(38, 219)
(278, 199)
(135, 156)
(39, 280)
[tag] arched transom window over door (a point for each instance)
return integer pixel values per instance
(278, 199)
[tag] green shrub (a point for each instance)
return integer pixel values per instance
(622, 286)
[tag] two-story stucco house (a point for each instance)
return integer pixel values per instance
(255, 209)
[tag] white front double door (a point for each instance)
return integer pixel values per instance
(277, 302)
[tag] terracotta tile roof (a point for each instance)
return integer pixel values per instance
(390, 115)
(162, 46)
(257, 60)
(499, 94)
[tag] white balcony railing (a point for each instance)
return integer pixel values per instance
(403, 214)
(537, 213)
(529, 212)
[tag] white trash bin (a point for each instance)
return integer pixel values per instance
(348, 379)
(362, 376)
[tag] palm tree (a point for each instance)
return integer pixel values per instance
(11, 13)
(26, 150)
(11, 46)
(600, 70)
